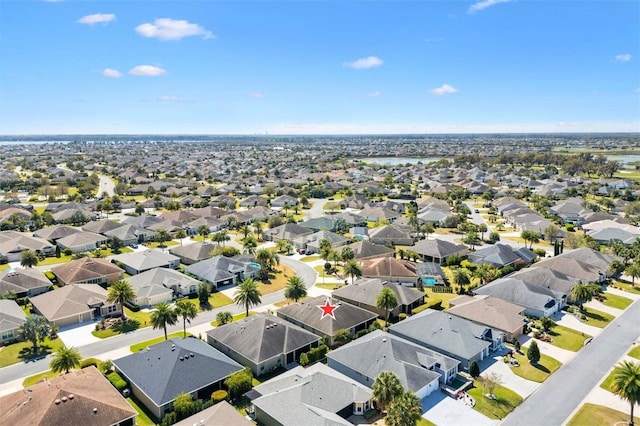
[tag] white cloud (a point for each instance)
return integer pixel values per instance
(147, 71)
(257, 95)
(171, 99)
(364, 63)
(623, 58)
(97, 18)
(484, 4)
(111, 73)
(172, 29)
(443, 90)
(373, 94)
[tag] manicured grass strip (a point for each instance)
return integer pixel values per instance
(606, 383)
(506, 401)
(615, 301)
(567, 338)
(236, 317)
(598, 415)
(4, 266)
(310, 258)
(424, 422)
(445, 297)
(144, 417)
(143, 345)
(635, 352)
(330, 286)
(37, 378)
(143, 317)
(21, 351)
(216, 300)
(625, 286)
(536, 373)
(597, 318)
(116, 329)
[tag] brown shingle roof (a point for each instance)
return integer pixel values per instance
(84, 269)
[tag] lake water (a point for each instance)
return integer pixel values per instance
(624, 159)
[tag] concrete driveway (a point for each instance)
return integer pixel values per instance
(443, 410)
(78, 335)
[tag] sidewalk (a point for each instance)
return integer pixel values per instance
(554, 352)
(570, 321)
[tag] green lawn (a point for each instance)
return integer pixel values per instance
(143, 418)
(424, 422)
(615, 301)
(153, 244)
(37, 378)
(567, 338)
(54, 260)
(310, 258)
(540, 371)
(597, 318)
(598, 415)
(623, 285)
(236, 317)
(4, 266)
(21, 351)
(143, 317)
(216, 300)
(606, 383)
(130, 325)
(445, 297)
(506, 401)
(329, 286)
(635, 352)
(143, 345)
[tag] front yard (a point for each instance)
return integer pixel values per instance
(505, 400)
(635, 352)
(615, 301)
(143, 345)
(22, 351)
(598, 415)
(597, 318)
(536, 373)
(567, 338)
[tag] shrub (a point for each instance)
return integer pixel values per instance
(361, 333)
(474, 369)
(51, 276)
(117, 381)
(219, 395)
(67, 251)
(569, 227)
(239, 383)
(540, 252)
(469, 265)
(132, 306)
(304, 359)
(89, 361)
(402, 316)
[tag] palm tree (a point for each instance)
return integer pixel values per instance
(461, 277)
(347, 253)
(163, 315)
(267, 259)
(203, 231)
(121, 292)
(633, 270)
(352, 269)
(28, 259)
(257, 227)
(247, 294)
(582, 293)
(35, 329)
(181, 233)
(245, 230)
(65, 359)
(626, 384)
(483, 273)
(295, 288)
(187, 311)
(405, 410)
(249, 245)
(386, 387)
(162, 236)
(386, 300)
(335, 257)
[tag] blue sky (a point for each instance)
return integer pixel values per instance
(318, 67)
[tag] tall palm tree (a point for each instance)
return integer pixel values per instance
(334, 256)
(249, 245)
(347, 254)
(121, 292)
(28, 259)
(181, 233)
(187, 311)
(386, 300)
(295, 288)
(461, 277)
(386, 387)
(65, 359)
(258, 226)
(483, 273)
(163, 315)
(267, 259)
(582, 293)
(247, 294)
(352, 269)
(633, 270)
(405, 410)
(626, 384)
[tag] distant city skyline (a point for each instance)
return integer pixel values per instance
(318, 67)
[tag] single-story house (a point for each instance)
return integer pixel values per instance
(222, 413)
(537, 301)
(130, 234)
(367, 250)
(419, 369)
(390, 269)
(391, 235)
(82, 241)
(309, 315)
(379, 214)
(141, 261)
(312, 242)
(490, 311)
(74, 304)
(80, 397)
(322, 223)
(284, 201)
(430, 274)
(313, 396)
(262, 342)
(13, 243)
(55, 232)
(364, 293)
(438, 250)
(287, 231)
(172, 367)
(501, 255)
(450, 335)
(23, 282)
(160, 285)
(192, 253)
(101, 226)
(220, 270)
(87, 270)
(11, 319)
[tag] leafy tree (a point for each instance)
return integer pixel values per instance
(247, 295)
(183, 405)
(224, 317)
(386, 300)
(616, 267)
(203, 231)
(203, 293)
(65, 359)
(187, 311)
(494, 237)
(28, 259)
(386, 387)
(547, 323)
(352, 269)
(139, 209)
(239, 383)
(347, 253)
(295, 289)
(162, 316)
(551, 233)
(342, 336)
(405, 410)
(492, 380)
(35, 329)
(324, 248)
(304, 359)
(626, 384)
(115, 244)
(474, 369)
(533, 354)
(162, 237)
(334, 256)
(119, 293)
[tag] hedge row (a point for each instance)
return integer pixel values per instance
(431, 304)
(117, 381)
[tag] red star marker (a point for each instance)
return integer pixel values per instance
(327, 309)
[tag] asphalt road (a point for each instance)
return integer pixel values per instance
(21, 370)
(106, 185)
(554, 401)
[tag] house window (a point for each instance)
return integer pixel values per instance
(7, 335)
(111, 309)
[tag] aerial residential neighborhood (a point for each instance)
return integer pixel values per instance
(309, 293)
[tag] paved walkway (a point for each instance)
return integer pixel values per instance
(78, 335)
(508, 378)
(570, 321)
(444, 410)
(554, 352)
(594, 304)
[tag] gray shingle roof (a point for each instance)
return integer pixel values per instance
(11, 316)
(162, 372)
(219, 268)
(22, 280)
(366, 291)
(145, 260)
(366, 249)
(497, 255)
(521, 293)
